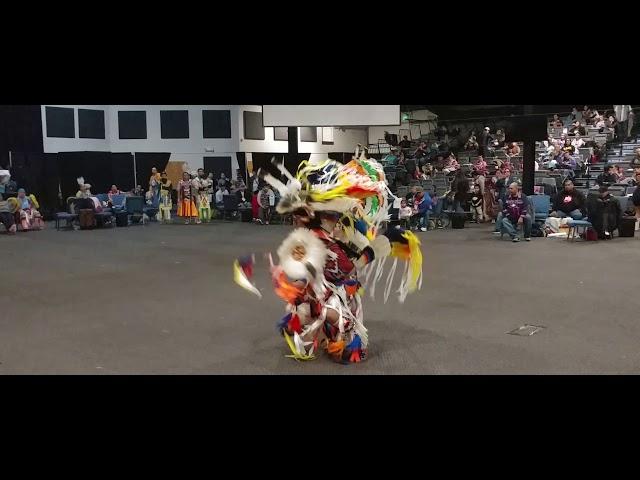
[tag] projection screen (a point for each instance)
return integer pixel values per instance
(330, 115)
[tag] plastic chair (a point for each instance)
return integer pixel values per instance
(541, 206)
(575, 226)
(67, 216)
(135, 207)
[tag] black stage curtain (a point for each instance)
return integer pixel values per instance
(122, 171)
(95, 167)
(145, 161)
(263, 160)
(217, 165)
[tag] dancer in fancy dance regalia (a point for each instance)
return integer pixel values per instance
(336, 249)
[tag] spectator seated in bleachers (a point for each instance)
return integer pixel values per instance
(576, 115)
(587, 115)
(568, 147)
(513, 150)
(392, 158)
(604, 212)
(556, 122)
(472, 142)
(569, 202)
(451, 165)
(618, 173)
(607, 177)
(577, 142)
(422, 206)
(516, 211)
(577, 129)
(568, 164)
(405, 143)
(635, 161)
(498, 140)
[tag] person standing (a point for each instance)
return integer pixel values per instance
(622, 116)
(165, 205)
(485, 141)
(266, 201)
(186, 206)
(477, 204)
(154, 185)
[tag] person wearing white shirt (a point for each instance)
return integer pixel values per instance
(220, 193)
(577, 142)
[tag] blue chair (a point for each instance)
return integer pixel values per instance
(67, 216)
(118, 201)
(575, 226)
(103, 197)
(135, 207)
(541, 206)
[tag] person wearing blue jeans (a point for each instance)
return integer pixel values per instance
(422, 205)
(569, 202)
(515, 211)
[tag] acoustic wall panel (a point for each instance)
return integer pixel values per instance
(60, 122)
(174, 124)
(253, 128)
(216, 124)
(308, 134)
(132, 124)
(91, 123)
(280, 133)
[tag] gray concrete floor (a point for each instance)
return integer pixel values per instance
(161, 300)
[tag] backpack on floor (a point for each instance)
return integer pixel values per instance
(87, 219)
(536, 230)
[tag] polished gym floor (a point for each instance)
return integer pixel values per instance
(160, 299)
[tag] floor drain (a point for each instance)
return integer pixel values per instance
(526, 330)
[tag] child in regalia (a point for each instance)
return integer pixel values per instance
(186, 205)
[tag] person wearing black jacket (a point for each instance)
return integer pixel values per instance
(604, 213)
(569, 202)
(635, 199)
(607, 177)
(485, 141)
(405, 143)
